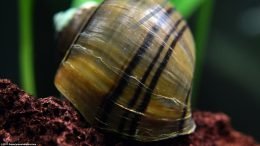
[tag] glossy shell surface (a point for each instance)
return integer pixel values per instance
(130, 69)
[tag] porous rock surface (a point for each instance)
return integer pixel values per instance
(51, 121)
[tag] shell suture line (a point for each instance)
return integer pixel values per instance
(150, 67)
(154, 81)
(131, 66)
(90, 52)
(137, 93)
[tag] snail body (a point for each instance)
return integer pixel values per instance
(129, 70)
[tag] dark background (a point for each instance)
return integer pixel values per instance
(230, 79)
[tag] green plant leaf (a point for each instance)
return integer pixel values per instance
(77, 3)
(187, 7)
(26, 60)
(201, 34)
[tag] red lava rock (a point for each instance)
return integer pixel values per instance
(52, 121)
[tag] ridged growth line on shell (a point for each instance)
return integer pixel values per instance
(130, 68)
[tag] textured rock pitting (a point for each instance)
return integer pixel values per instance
(51, 121)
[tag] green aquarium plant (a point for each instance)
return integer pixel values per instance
(26, 55)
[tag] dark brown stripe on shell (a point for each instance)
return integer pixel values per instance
(148, 71)
(147, 97)
(147, 17)
(184, 112)
(107, 105)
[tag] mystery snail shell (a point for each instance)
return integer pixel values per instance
(129, 69)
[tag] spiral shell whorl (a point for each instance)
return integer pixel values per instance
(130, 70)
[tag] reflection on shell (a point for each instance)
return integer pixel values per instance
(130, 70)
